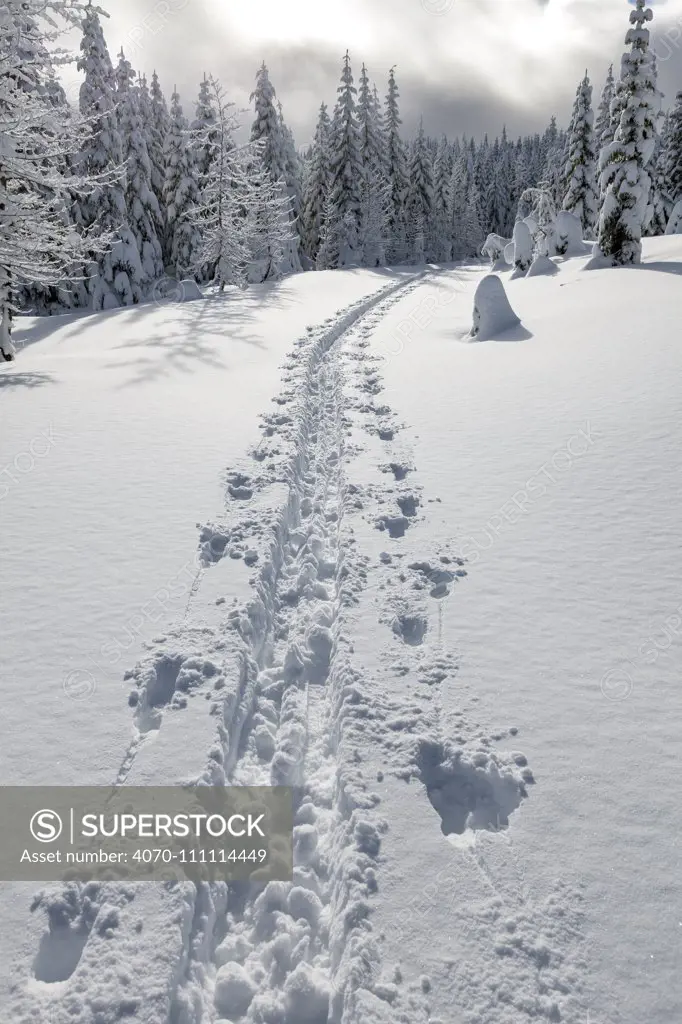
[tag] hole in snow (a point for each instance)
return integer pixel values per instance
(59, 953)
(161, 686)
(410, 628)
(468, 793)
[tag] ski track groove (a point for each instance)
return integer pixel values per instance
(300, 598)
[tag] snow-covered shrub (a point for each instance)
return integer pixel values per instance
(542, 266)
(494, 247)
(492, 311)
(523, 248)
(568, 235)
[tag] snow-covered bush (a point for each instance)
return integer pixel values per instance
(523, 249)
(494, 247)
(568, 235)
(542, 266)
(492, 311)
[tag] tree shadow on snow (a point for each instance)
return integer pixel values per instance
(208, 331)
(9, 379)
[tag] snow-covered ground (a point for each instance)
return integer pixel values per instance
(438, 593)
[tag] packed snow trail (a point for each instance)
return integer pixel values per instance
(236, 668)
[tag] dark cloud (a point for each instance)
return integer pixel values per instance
(467, 66)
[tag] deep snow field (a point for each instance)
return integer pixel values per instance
(311, 535)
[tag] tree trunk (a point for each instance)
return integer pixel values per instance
(7, 351)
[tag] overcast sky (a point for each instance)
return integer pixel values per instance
(465, 65)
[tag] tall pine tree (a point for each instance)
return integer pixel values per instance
(624, 162)
(582, 198)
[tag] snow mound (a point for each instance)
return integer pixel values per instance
(234, 990)
(523, 248)
(189, 290)
(492, 311)
(568, 235)
(500, 265)
(494, 246)
(542, 266)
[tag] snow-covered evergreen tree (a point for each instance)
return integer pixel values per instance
(116, 276)
(624, 162)
(181, 194)
(673, 151)
(343, 234)
(293, 173)
(157, 130)
(278, 156)
(38, 244)
(204, 129)
(317, 184)
(442, 179)
(204, 135)
(269, 224)
(657, 211)
(143, 209)
(225, 197)
(602, 124)
(374, 190)
(582, 198)
(396, 172)
(419, 203)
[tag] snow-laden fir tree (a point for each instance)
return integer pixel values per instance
(457, 205)
(204, 137)
(224, 202)
(293, 172)
(158, 127)
(419, 202)
(116, 276)
(204, 128)
(624, 163)
(181, 194)
(269, 224)
(38, 244)
(38, 78)
(143, 209)
(473, 235)
(602, 124)
(497, 184)
(442, 179)
(278, 156)
(343, 242)
(672, 164)
(582, 197)
(553, 171)
(673, 150)
(396, 172)
(374, 189)
(318, 180)
(658, 210)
